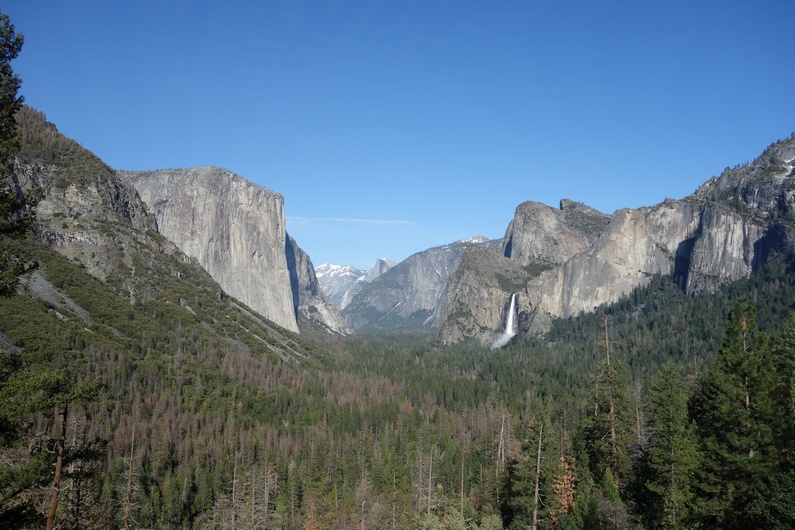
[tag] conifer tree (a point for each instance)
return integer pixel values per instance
(734, 409)
(23, 392)
(609, 429)
(672, 453)
(15, 214)
(529, 478)
(784, 366)
(770, 504)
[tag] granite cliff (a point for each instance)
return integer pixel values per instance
(236, 230)
(233, 228)
(117, 224)
(130, 285)
(725, 231)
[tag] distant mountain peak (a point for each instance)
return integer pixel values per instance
(474, 239)
(340, 283)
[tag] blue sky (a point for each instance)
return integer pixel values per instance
(391, 127)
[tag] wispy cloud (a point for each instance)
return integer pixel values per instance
(346, 220)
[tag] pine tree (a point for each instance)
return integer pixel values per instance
(16, 213)
(770, 504)
(540, 482)
(734, 409)
(609, 431)
(672, 453)
(784, 365)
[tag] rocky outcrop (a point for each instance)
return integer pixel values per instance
(308, 298)
(478, 295)
(725, 231)
(409, 296)
(540, 233)
(85, 211)
(232, 227)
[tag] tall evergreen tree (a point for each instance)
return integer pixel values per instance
(530, 499)
(672, 453)
(23, 392)
(13, 225)
(609, 430)
(771, 500)
(15, 213)
(734, 407)
(784, 365)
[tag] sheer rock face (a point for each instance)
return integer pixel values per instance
(726, 230)
(232, 227)
(635, 245)
(308, 298)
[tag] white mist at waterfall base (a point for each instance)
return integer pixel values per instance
(510, 326)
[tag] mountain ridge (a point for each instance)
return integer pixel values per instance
(723, 232)
(408, 297)
(341, 282)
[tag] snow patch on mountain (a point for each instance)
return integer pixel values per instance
(341, 282)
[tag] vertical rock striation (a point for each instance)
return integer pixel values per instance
(232, 227)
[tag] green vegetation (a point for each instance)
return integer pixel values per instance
(211, 422)
(150, 399)
(512, 281)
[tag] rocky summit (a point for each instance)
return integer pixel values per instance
(342, 282)
(561, 263)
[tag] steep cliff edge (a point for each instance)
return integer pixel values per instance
(308, 298)
(233, 228)
(726, 230)
(540, 233)
(236, 230)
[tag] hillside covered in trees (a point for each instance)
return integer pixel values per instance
(690, 421)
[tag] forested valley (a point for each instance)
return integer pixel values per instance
(150, 399)
(660, 411)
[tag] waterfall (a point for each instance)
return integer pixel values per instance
(510, 326)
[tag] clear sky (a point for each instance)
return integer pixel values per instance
(393, 126)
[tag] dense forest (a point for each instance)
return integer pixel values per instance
(660, 411)
(180, 408)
